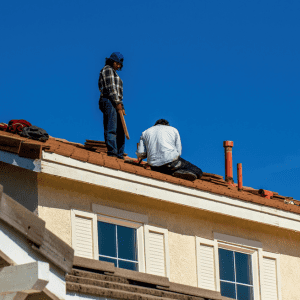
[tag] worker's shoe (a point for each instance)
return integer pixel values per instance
(187, 175)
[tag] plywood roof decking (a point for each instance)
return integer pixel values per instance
(209, 182)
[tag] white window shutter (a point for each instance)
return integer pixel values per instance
(207, 264)
(157, 251)
(270, 276)
(84, 234)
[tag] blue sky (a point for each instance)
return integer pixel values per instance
(217, 70)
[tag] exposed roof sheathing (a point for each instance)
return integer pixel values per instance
(209, 182)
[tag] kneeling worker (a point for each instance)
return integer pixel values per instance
(162, 146)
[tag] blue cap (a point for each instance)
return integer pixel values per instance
(117, 57)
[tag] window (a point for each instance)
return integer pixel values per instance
(236, 276)
(118, 236)
(238, 268)
(118, 244)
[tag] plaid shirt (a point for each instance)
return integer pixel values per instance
(110, 84)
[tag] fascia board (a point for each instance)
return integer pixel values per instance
(67, 167)
(25, 163)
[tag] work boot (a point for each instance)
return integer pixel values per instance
(187, 175)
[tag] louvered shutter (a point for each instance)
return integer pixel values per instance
(206, 264)
(156, 251)
(84, 234)
(269, 278)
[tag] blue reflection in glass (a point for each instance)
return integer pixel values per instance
(107, 239)
(108, 260)
(228, 289)
(226, 265)
(243, 268)
(244, 292)
(128, 265)
(127, 247)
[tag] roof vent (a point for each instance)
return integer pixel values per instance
(265, 193)
(228, 161)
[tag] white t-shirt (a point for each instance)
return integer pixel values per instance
(161, 144)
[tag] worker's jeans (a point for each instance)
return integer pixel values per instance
(174, 166)
(113, 130)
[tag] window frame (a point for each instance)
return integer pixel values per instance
(254, 263)
(114, 218)
(139, 235)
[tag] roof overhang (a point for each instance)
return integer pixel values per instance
(57, 165)
(66, 167)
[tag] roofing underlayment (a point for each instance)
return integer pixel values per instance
(213, 183)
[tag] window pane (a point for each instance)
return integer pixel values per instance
(108, 260)
(243, 268)
(226, 265)
(107, 239)
(228, 289)
(244, 292)
(128, 265)
(127, 247)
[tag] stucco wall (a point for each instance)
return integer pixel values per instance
(57, 196)
(20, 184)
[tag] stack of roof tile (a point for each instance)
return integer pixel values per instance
(97, 146)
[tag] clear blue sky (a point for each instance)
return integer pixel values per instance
(217, 70)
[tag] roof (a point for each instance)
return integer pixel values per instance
(42, 240)
(103, 279)
(209, 182)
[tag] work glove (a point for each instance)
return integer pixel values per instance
(121, 107)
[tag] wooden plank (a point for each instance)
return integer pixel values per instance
(23, 220)
(143, 277)
(57, 251)
(30, 150)
(109, 293)
(194, 291)
(96, 265)
(7, 259)
(10, 144)
(93, 264)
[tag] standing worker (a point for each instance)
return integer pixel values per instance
(111, 88)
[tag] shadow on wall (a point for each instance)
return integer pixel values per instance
(20, 184)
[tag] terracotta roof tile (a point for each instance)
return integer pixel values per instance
(80, 154)
(128, 168)
(111, 162)
(96, 158)
(65, 150)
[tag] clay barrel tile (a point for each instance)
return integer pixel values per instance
(65, 150)
(80, 154)
(96, 159)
